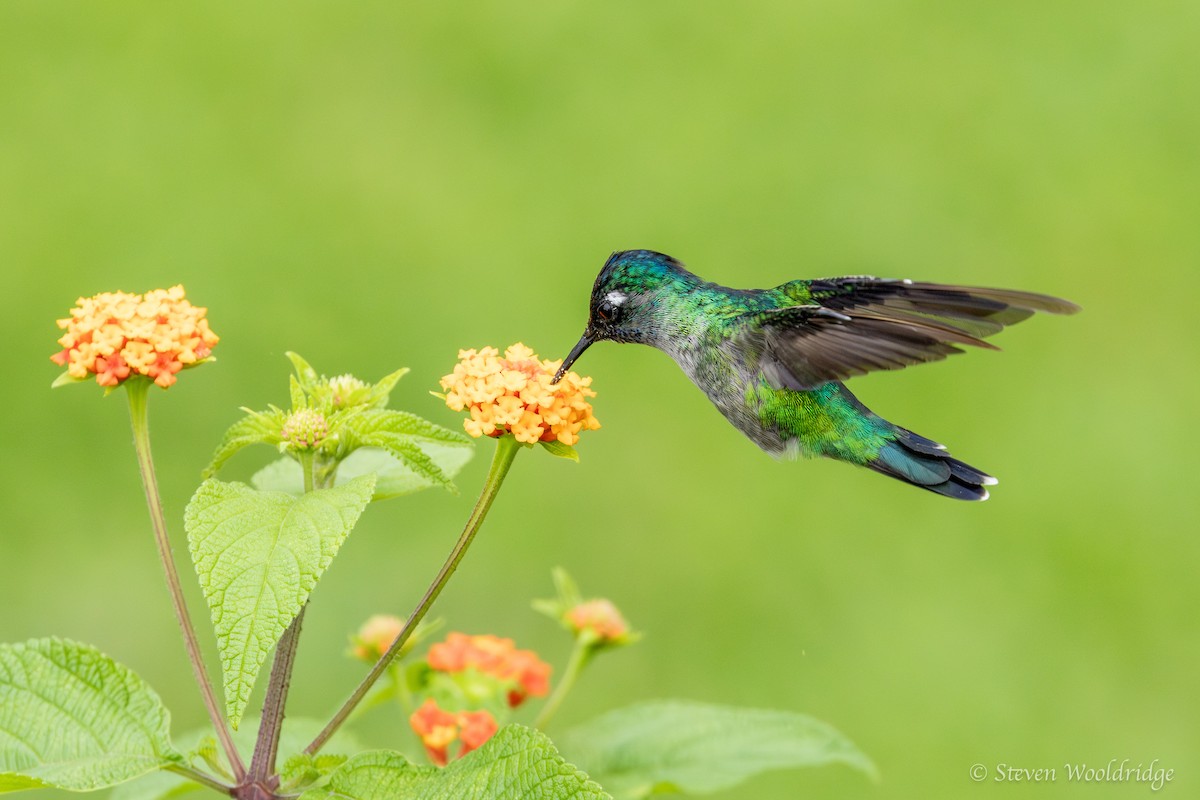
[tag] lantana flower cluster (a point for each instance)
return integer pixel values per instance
(492, 655)
(514, 395)
(114, 335)
(438, 729)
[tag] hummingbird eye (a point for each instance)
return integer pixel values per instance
(609, 309)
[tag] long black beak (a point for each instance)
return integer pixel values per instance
(584, 343)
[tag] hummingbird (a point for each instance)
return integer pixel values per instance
(774, 361)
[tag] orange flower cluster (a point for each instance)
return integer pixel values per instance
(439, 729)
(601, 618)
(514, 395)
(115, 334)
(496, 657)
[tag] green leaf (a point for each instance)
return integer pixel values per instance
(296, 394)
(383, 420)
(305, 374)
(66, 379)
(695, 748)
(516, 764)
(404, 436)
(393, 478)
(380, 392)
(72, 718)
(258, 556)
(557, 448)
(254, 428)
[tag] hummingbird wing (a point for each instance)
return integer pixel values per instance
(852, 326)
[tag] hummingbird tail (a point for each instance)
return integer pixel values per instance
(925, 464)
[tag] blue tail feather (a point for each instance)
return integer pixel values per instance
(926, 464)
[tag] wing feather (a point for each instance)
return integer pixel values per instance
(852, 326)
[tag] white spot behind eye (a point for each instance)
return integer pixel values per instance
(615, 298)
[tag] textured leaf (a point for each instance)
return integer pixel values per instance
(393, 478)
(258, 556)
(695, 748)
(72, 718)
(251, 429)
(403, 435)
(516, 764)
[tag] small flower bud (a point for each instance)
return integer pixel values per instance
(343, 388)
(305, 429)
(599, 618)
(376, 636)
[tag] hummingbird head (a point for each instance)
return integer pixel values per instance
(625, 304)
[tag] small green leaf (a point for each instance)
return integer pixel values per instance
(557, 448)
(66, 379)
(695, 748)
(296, 394)
(516, 764)
(305, 374)
(72, 718)
(254, 428)
(393, 478)
(258, 556)
(380, 392)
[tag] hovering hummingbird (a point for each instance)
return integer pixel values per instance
(773, 360)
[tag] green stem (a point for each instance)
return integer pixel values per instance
(506, 450)
(137, 390)
(204, 778)
(581, 654)
(266, 746)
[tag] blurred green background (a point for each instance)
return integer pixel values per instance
(375, 185)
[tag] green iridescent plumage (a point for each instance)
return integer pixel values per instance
(773, 360)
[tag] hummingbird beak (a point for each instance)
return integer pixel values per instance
(584, 343)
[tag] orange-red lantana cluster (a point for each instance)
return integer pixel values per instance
(514, 395)
(114, 335)
(439, 729)
(496, 657)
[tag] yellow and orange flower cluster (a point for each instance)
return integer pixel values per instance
(514, 395)
(114, 335)
(496, 657)
(439, 729)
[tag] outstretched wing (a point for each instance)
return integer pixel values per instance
(852, 326)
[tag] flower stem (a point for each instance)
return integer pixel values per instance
(266, 747)
(581, 654)
(506, 450)
(138, 391)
